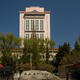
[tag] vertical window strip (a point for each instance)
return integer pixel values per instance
(27, 25)
(42, 36)
(27, 36)
(31, 35)
(32, 24)
(37, 35)
(41, 24)
(37, 24)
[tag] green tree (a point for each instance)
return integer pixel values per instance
(78, 39)
(74, 57)
(36, 51)
(42, 46)
(63, 51)
(77, 44)
(31, 46)
(48, 44)
(25, 58)
(7, 43)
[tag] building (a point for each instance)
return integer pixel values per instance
(19, 52)
(34, 20)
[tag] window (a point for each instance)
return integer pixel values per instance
(37, 35)
(32, 35)
(37, 24)
(32, 24)
(27, 35)
(27, 25)
(42, 36)
(41, 25)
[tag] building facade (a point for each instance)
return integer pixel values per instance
(34, 20)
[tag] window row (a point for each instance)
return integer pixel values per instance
(36, 35)
(34, 25)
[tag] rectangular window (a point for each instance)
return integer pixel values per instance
(36, 25)
(37, 35)
(27, 35)
(27, 25)
(41, 24)
(42, 36)
(32, 35)
(32, 23)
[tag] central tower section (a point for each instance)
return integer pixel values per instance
(34, 20)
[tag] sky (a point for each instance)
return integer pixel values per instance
(65, 18)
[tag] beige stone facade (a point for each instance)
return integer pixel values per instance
(41, 19)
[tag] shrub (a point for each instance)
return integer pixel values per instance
(46, 67)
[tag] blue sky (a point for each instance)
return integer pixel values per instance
(65, 17)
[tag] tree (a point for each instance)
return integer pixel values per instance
(78, 40)
(42, 46)
(25, 58)
(77, 44)
(36, 51)
(36, 47)
(48, 44)
(7, 43)
(63, 51)
(67, 59)
(74, 57)
(31, 47)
